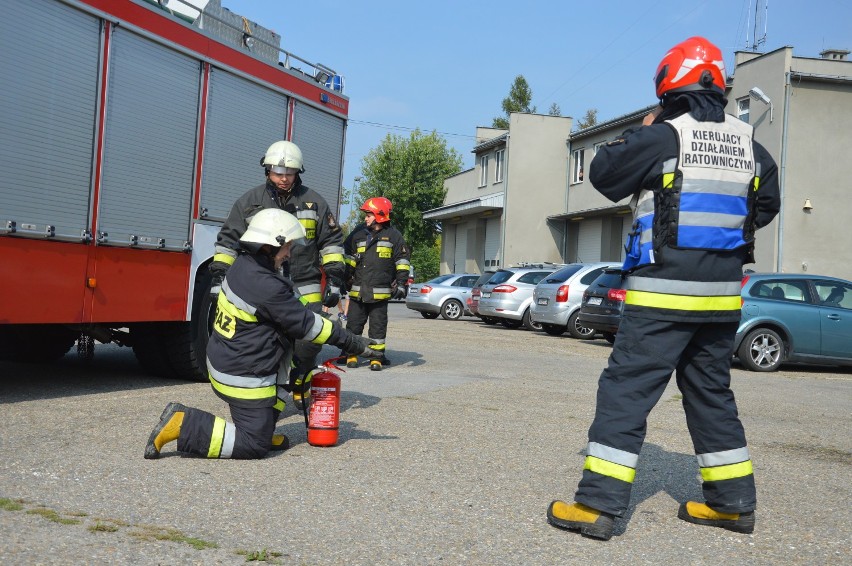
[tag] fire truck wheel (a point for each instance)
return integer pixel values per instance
(35, 343)
(149, 348)
(187, 341)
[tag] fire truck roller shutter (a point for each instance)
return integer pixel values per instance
(243, 119)
(149, 148)
(320, 137)
(49, 101)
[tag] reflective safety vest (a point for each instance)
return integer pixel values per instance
(706, 197)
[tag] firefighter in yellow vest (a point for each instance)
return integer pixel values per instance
(322, 252)
(258, 318)
(379, 260)
(701, 187)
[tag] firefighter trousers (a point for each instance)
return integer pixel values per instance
(248, 437)
(644, 355)
(377, 314)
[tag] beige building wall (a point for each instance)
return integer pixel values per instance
(537, 169)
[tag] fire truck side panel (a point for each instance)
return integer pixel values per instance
(41, 281)
(149, 145)
(48, 95)
(137, 285)
(320, 136)
(243, 119)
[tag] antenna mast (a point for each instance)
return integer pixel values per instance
(757, 42)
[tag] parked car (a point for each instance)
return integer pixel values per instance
(445, 295)
(556, 298)
(794, 318)
(507, 295)
(603, 303)
(476, 291)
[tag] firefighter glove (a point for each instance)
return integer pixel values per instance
(331, 297)
(360, 346)
(218, 269)
(400, 292)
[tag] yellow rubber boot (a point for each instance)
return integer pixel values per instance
(701, 514)
(167, 430)
(352, 362)
(578, 517)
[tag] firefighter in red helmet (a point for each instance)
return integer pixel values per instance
(701, 187)
(378, 260)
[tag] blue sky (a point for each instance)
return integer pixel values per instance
(447, 65)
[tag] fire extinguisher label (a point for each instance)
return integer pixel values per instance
(323, 414)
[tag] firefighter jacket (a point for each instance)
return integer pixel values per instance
(257, 318)
(700, 189)
(377, 261)
(323, 247)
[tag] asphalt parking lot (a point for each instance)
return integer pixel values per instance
(450, 456)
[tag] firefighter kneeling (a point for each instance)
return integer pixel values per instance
(377, 259)
(250, 352)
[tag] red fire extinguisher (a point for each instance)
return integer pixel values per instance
(324, 415)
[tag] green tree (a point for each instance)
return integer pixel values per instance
(554, 110)
(519, 99)
(410, 171)
(589, 120)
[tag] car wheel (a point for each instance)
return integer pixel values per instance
(609, 337)
(510, 323)
(488, 320)
(529, 323)
(553, 329)
(761, 350)
(429, 315)
(577, 330)
(452, 310)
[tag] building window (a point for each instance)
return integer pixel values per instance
(743, 105)
(597, 147)
(578, 165)
(483, 170)
(499, 157)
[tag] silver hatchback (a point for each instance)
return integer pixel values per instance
(445, 295)
(557, 298)
(507, 296)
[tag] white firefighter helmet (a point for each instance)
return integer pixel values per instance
(273, 226)
(283, 155)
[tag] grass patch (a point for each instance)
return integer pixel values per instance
(11, 504)
(261, 555)
(52, 515)
(173, 535)
(99, 527)
(676, 397)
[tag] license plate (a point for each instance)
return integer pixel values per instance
(594, 301)
(486, 295)
(542, 301)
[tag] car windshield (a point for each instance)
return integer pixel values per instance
(563, 274)
(441, 278)
(533, 277)
(483, 279)
(609, 278)
(500, 277)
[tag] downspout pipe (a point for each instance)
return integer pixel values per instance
(505, 202)
(782, 176)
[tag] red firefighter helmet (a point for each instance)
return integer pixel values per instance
(694, 64)
(380, 207)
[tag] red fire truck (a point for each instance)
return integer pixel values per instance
(128, 128)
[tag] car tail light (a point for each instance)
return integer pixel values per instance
(743, 284)
(504, 289)
(616, 295)
(562, 294)
(425, 289)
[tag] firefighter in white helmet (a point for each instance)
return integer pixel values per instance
(258, 318)
(322, 252)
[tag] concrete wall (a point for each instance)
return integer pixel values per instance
(536, 173)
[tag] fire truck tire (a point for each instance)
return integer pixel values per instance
(35, 342)
(187, 341)
(149, 348)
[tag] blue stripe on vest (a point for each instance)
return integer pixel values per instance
(712, 237)
(704, 202)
